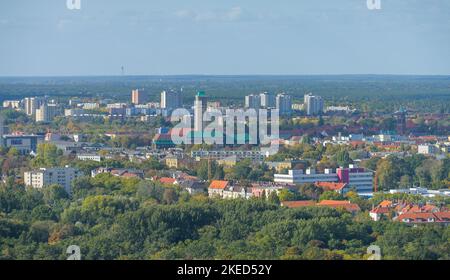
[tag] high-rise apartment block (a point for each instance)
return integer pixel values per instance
(267, 100)
(313, 105)
(252, 101)
(139, 96)
(284, 104)
(46, 112)
(171, 100)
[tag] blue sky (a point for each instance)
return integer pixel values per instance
(224, 37)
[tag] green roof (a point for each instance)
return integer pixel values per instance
(201, 93)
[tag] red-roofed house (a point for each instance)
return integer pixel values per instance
(347, 205)
(340, 188)
(217, 187)
(168, 181)
(424, 218)
(297, 204)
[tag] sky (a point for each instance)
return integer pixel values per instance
(224, 37)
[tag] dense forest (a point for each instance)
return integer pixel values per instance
(113, 218)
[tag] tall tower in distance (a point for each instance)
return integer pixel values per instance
(200, 106)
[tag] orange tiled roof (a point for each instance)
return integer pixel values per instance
(347, 205)
(438, 217)
(167, 180)
(218, 184)
(380, 210)
(331, 186)
(299, 203)
(385, 203)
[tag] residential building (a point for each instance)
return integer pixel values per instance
(340, 188)
(337, 204)
(297, 176)
(234, 192)
(31, 104)
(427, 149)
(267, 100)
(51, 176)
(91, 157)
(119, 172)
(313, 104)
(254, 155)
(284, 104)
(217, 187)
(354, 177)
(139, 96)
(74, 112)
(171, 100)
(11, 104)
(46, 112)
(252, 101)
(442, 218)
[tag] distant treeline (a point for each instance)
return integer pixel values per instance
(365, 92)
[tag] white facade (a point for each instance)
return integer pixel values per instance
(313, 104)
(299, 177)
(426, 149)
(30, 104)
(222, 154)
(94, 157)
(46, 112)
(51, 176)
(359, 178)
(200, 106)
(267, 100)
(284, 104)
(11, 104)
(253, 101)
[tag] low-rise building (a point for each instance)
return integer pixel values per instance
(25, 144)
(119, 172)
(92, 157)
(217, 187)
(354, 177)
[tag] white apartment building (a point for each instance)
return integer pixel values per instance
(222, 154)
(253, 101)
(359, 178)
(51, 176)
(284, 104)
(313, 104)
(92, 157)
(46, 112)
(11, 104)
(310, 176)
(427, 149)
(267, 100)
